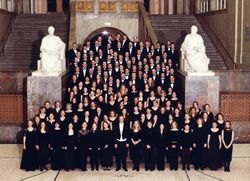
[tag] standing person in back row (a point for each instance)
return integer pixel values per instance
(227, 136)
(121, 140)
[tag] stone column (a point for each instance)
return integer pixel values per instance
(212, 5)
(26, 6)
(186, 7)
(170, 7)
(59, 6)
(44, 6)
(162, 5)
(157, 6)
(180, 6)
(198, 6)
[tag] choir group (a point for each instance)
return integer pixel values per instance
(124, 100)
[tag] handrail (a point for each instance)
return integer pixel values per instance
(10, 25)
(230, 64)
(147, 30)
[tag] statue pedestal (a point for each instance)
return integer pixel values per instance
(42, 87)
(201, 87)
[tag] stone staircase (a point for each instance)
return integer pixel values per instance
(175, 28)
(22, 49)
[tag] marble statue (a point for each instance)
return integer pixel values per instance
(52, 54)
(193, 53)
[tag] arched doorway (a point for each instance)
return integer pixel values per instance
(104, 33)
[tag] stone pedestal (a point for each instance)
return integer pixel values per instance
(201, 87)
(42, 87)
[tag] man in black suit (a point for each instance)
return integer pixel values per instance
(173, 54)
(125, 43)
(72, 53)
(121, 135)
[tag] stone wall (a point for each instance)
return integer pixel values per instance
(87, 23)
(13, 82)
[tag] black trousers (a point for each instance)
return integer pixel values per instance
(200, 157)
(121, 155)
(185, 157)
(136, 155)
(160, 158)
(149, 157)
(83, 154)
(94, 158)
(173, 158)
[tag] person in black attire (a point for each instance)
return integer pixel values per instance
(214, 146)
(107, 145)
(56, 142)
(70, 146)
(121, 139)
(186, 146)
(149, 147)
(29, 162)
(136, 138)
(83, 142)
(174, 141)
(161, 144)
(227, 136)
(94, 147)
(42, 145)
(200, 144)
(71, 55)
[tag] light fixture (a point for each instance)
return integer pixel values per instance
(107, 24)
(104, 32)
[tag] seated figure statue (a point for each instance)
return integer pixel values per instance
(52, 54)
(193, 54)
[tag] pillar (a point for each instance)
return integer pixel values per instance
(213, 5)
(197, 6)
(44, 8)
(26, 6)
(186, 8)
(180, 6)
(171, 7)
(162, 7)
(59, 6)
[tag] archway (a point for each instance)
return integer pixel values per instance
(103, 32)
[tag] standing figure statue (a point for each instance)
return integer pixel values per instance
(52, 54)
(193, 53)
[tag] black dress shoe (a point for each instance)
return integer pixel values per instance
(125, 169)
(117, 169)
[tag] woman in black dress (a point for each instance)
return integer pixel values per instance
(200, 145)
(148, 140)
(107, 145)
(186, 146)
(29, 161)
(161, 144)
(56, 143)
(42, 145)
(94, 147)
(136, 138)
(227, 136)
(70, 146)
(83, 142)
(174, 141)
(214, 146)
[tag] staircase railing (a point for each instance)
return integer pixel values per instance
(13, 15)
(146, 31)
(228, 59)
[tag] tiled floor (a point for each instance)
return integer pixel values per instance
(10, 162)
